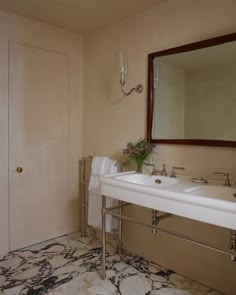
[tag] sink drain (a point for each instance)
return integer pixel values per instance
(159, 181)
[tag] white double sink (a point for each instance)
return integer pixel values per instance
(211, 203)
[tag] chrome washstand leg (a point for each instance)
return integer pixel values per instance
(154, 221)
(103, 237)
(83, 203)
(120, 230)
(232, 244)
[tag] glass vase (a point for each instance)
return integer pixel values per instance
(139, 166)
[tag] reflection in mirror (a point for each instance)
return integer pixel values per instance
(194, 94)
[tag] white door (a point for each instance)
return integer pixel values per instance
(38, 144)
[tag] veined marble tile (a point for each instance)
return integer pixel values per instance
(67, 266)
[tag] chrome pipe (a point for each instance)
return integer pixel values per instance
(137, 89)
(90, 159)
(104, 237)
(120, 227)
(154, 221)
(118, 206)
(184, 238)
(83, 202)
(164, 216)
(85, 182)
(232, 242)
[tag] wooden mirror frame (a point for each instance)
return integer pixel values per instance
(150, 95)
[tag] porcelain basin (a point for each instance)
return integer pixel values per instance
(214, 191)
(211, 203)
(147, 180)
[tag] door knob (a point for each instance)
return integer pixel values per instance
(19, 169)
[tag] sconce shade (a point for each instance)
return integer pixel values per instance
(121, 59)
(156, 73)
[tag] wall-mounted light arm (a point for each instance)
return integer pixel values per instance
(137, 89)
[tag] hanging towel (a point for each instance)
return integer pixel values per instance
(100, 166)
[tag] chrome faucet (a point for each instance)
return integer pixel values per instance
(162, 172)
(155, 171)
(173, 173)
(226, 174)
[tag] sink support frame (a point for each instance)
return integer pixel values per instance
(153, 227)
(156, 219)
(232, 242)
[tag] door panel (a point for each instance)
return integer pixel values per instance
(38, 142)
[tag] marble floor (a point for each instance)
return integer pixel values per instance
(69, 266)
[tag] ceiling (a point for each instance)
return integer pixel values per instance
(80, 16)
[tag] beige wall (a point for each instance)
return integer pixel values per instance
(26, 31)
(111, 120)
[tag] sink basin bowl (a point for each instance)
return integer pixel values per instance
(147, 180)
(214, 191)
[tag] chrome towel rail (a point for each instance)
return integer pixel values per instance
(84, 188)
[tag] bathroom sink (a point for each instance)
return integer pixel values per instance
(214, 191)
(147, 180)
(210, 203)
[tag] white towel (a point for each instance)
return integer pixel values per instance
(100, 166)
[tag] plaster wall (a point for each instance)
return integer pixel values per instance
(111, 120)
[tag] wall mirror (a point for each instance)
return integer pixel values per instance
(192, 93)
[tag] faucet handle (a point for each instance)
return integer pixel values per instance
(226, 174)
(221, 173)
(173, 174)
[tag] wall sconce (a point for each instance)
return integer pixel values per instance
(156, 73)
(122, 66)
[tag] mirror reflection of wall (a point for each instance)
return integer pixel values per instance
(169, 102)
(195, 94)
